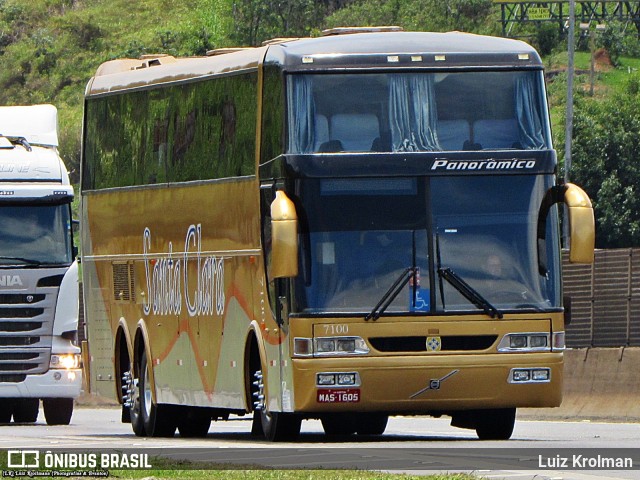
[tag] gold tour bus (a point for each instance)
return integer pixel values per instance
(339, 228)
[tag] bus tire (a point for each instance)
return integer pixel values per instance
(6, 409)
(496, 424)
(276, 426)
(280, 426)
(135, 409)
(26, 410)
(157, 420)
(338, 424)
(371, 423)
(57, 411)
(194, 422)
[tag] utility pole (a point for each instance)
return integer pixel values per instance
(568, 135)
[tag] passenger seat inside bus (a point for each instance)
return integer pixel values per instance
(452, 134)
(321, 132)
(501, 133)
(356, 132)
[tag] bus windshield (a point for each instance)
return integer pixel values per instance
(417, 112)
(361, 235)
(35, 234)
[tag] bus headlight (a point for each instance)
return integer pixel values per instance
(324, 346)
(66, 361)
(525, 342)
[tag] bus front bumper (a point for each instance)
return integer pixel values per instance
(434, 384)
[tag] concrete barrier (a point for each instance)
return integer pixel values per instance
(599, 384)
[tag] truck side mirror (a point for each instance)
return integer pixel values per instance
(581, 224)
(284, 237)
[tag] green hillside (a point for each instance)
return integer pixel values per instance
(50, 48)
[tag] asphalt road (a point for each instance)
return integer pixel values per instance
(410, 444)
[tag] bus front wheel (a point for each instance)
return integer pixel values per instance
(276, 426)
(496, 424)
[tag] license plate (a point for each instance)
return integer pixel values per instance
(343, 395)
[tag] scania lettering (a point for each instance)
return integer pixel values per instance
(340, 228)
(38, 271)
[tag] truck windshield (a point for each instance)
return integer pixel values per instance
(35, 234)
(359, 235)
(417, 112)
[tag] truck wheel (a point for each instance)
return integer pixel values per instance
(57, 411)
(158, 420)
(496, 424)
(26, 410)
(6, 409)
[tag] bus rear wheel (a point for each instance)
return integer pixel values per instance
(194, 422)
(157, 420)
(496, 424)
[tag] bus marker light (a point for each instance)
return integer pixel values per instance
(302, 346)
(558, 341)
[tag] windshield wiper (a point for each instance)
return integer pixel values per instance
(390, 295)
(28, 261)
(469, 292)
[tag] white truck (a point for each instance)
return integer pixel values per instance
(39, 358)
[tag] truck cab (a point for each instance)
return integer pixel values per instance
(39, 358)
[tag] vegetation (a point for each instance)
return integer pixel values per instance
(51, 48)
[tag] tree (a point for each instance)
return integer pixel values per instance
(606, 163)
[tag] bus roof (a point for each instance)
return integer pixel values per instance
(386, 50)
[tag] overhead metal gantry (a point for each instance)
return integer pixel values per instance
(515, 13)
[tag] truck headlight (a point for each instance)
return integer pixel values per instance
(66, 361)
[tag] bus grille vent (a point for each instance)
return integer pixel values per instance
(123, 282)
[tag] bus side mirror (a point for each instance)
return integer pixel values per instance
(284, 237)
(581, 224)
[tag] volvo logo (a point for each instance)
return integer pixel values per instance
(434, 384)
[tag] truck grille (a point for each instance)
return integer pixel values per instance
(26, 324)
(20, 312)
